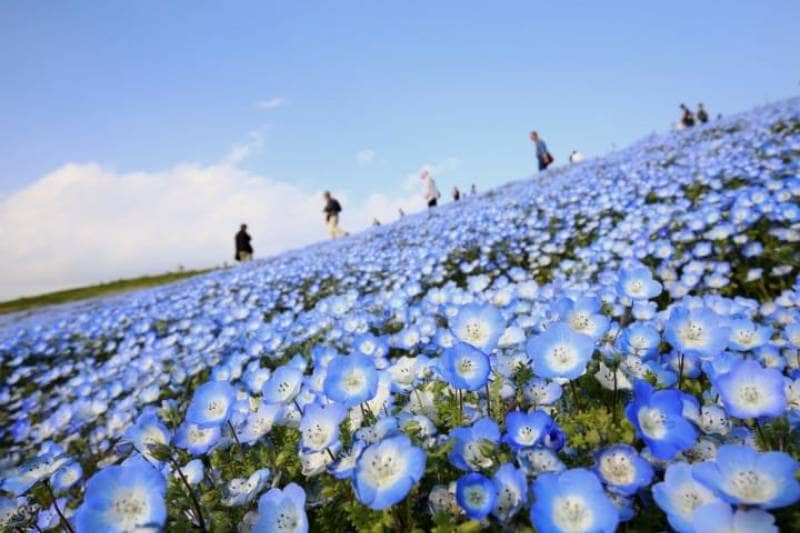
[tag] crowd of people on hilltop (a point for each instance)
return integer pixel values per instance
(431, 193)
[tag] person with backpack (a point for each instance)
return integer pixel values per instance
(244, 250)
(332, 209)
(702, 115)
(429, 190)
(543, 155)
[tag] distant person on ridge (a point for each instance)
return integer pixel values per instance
(429, 190)
(332, 210)
(542, 154)
(702, 115)
(687, 117)
(456, 194)
(575, 157)
(473, 190)
(244, 251)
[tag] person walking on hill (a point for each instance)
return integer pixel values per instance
(456, 194)
(702, 115)
(542, 153)
(687, 117)
(429, 190)
(244, 251)
(332, 209)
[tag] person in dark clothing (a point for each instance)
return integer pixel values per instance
(702, 115)
(456, 194)
(244, 251)
(332, 209)
(542, 154)
(687, 117)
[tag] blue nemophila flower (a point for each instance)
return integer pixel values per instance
(386, 471)
(465, 367)
(475, 493)
(511, 488)
(639, 339)
(699, 331)
(583, 316)
(320, 425)
(745, 335)
(478, 325)
(259, 422)
(659, 421)
(211, 404)
(23, 477)
(573, 500)
(637, 283)
(193, 471)
(351, 379)
(469, 452)
(525, 430)
(241, 491)
(148, 431)
(622, 469)
(541, 392)
(750, 390)
(66, 476)
(283, 385)
(196, 440)
(680, 494)
(560, 352)
(741, 475)
(282, 511)
(121, 498)
(719, 517)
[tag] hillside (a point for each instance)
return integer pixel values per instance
(484, 361)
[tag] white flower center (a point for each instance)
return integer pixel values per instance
(526, 435)
(635, 288)
(750, 395)
(384, 470)
(215, 408)
(129, 509)
(475, 497)
(617, 469)
(466, 367)
(744, 337)
(562, 357)
(318, 435)
(688, 498)
(751, 486)
(692, 334)
(287, 519)
(652, 422)
(475, 333)
(581, 322)
(353, 381)
(572, 514)
(474, 457)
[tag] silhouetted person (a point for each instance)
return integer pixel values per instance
(456, 194)
(400, 212)
(244, 251)
(429, 190)
(687, 117)
(543, 155)
(472, 190)
(376, 222)
(702, 115)
(332, 209)
(575, 157)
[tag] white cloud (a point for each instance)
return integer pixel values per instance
(84, 223)
(241, 151)
(365, 157)
(271, 103)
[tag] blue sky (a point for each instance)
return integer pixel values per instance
(144, 85)
(122, 97)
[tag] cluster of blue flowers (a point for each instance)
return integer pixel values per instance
(617, 342)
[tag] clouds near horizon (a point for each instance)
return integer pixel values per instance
(84, 223)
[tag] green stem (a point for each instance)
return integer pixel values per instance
(61, 516)
(196, 504)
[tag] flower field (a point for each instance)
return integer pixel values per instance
(613, 344)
